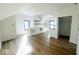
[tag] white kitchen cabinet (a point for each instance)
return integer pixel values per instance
(38, 21)
(11, 27)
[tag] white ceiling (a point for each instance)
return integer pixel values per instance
(8, 9)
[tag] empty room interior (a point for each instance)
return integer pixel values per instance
(39, 29)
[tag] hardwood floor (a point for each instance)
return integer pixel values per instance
(39, 46)
(53, 47)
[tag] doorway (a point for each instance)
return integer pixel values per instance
(64, 27)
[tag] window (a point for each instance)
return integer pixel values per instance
(26, 24)
(52, 24)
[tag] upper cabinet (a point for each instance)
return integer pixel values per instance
(38, 21)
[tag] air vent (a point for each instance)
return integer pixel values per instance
(75, 3)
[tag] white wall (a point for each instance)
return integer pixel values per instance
(77, 50)
(0, 41)
(20, 22)
(71, 11)
(74, 29)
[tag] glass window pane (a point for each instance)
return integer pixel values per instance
(51, 24)
(26, 24)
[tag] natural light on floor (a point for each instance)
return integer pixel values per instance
(25, 47)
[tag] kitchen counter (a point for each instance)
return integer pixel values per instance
(37, 30)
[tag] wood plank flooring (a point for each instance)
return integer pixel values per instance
(53, 47)
(40, 46)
